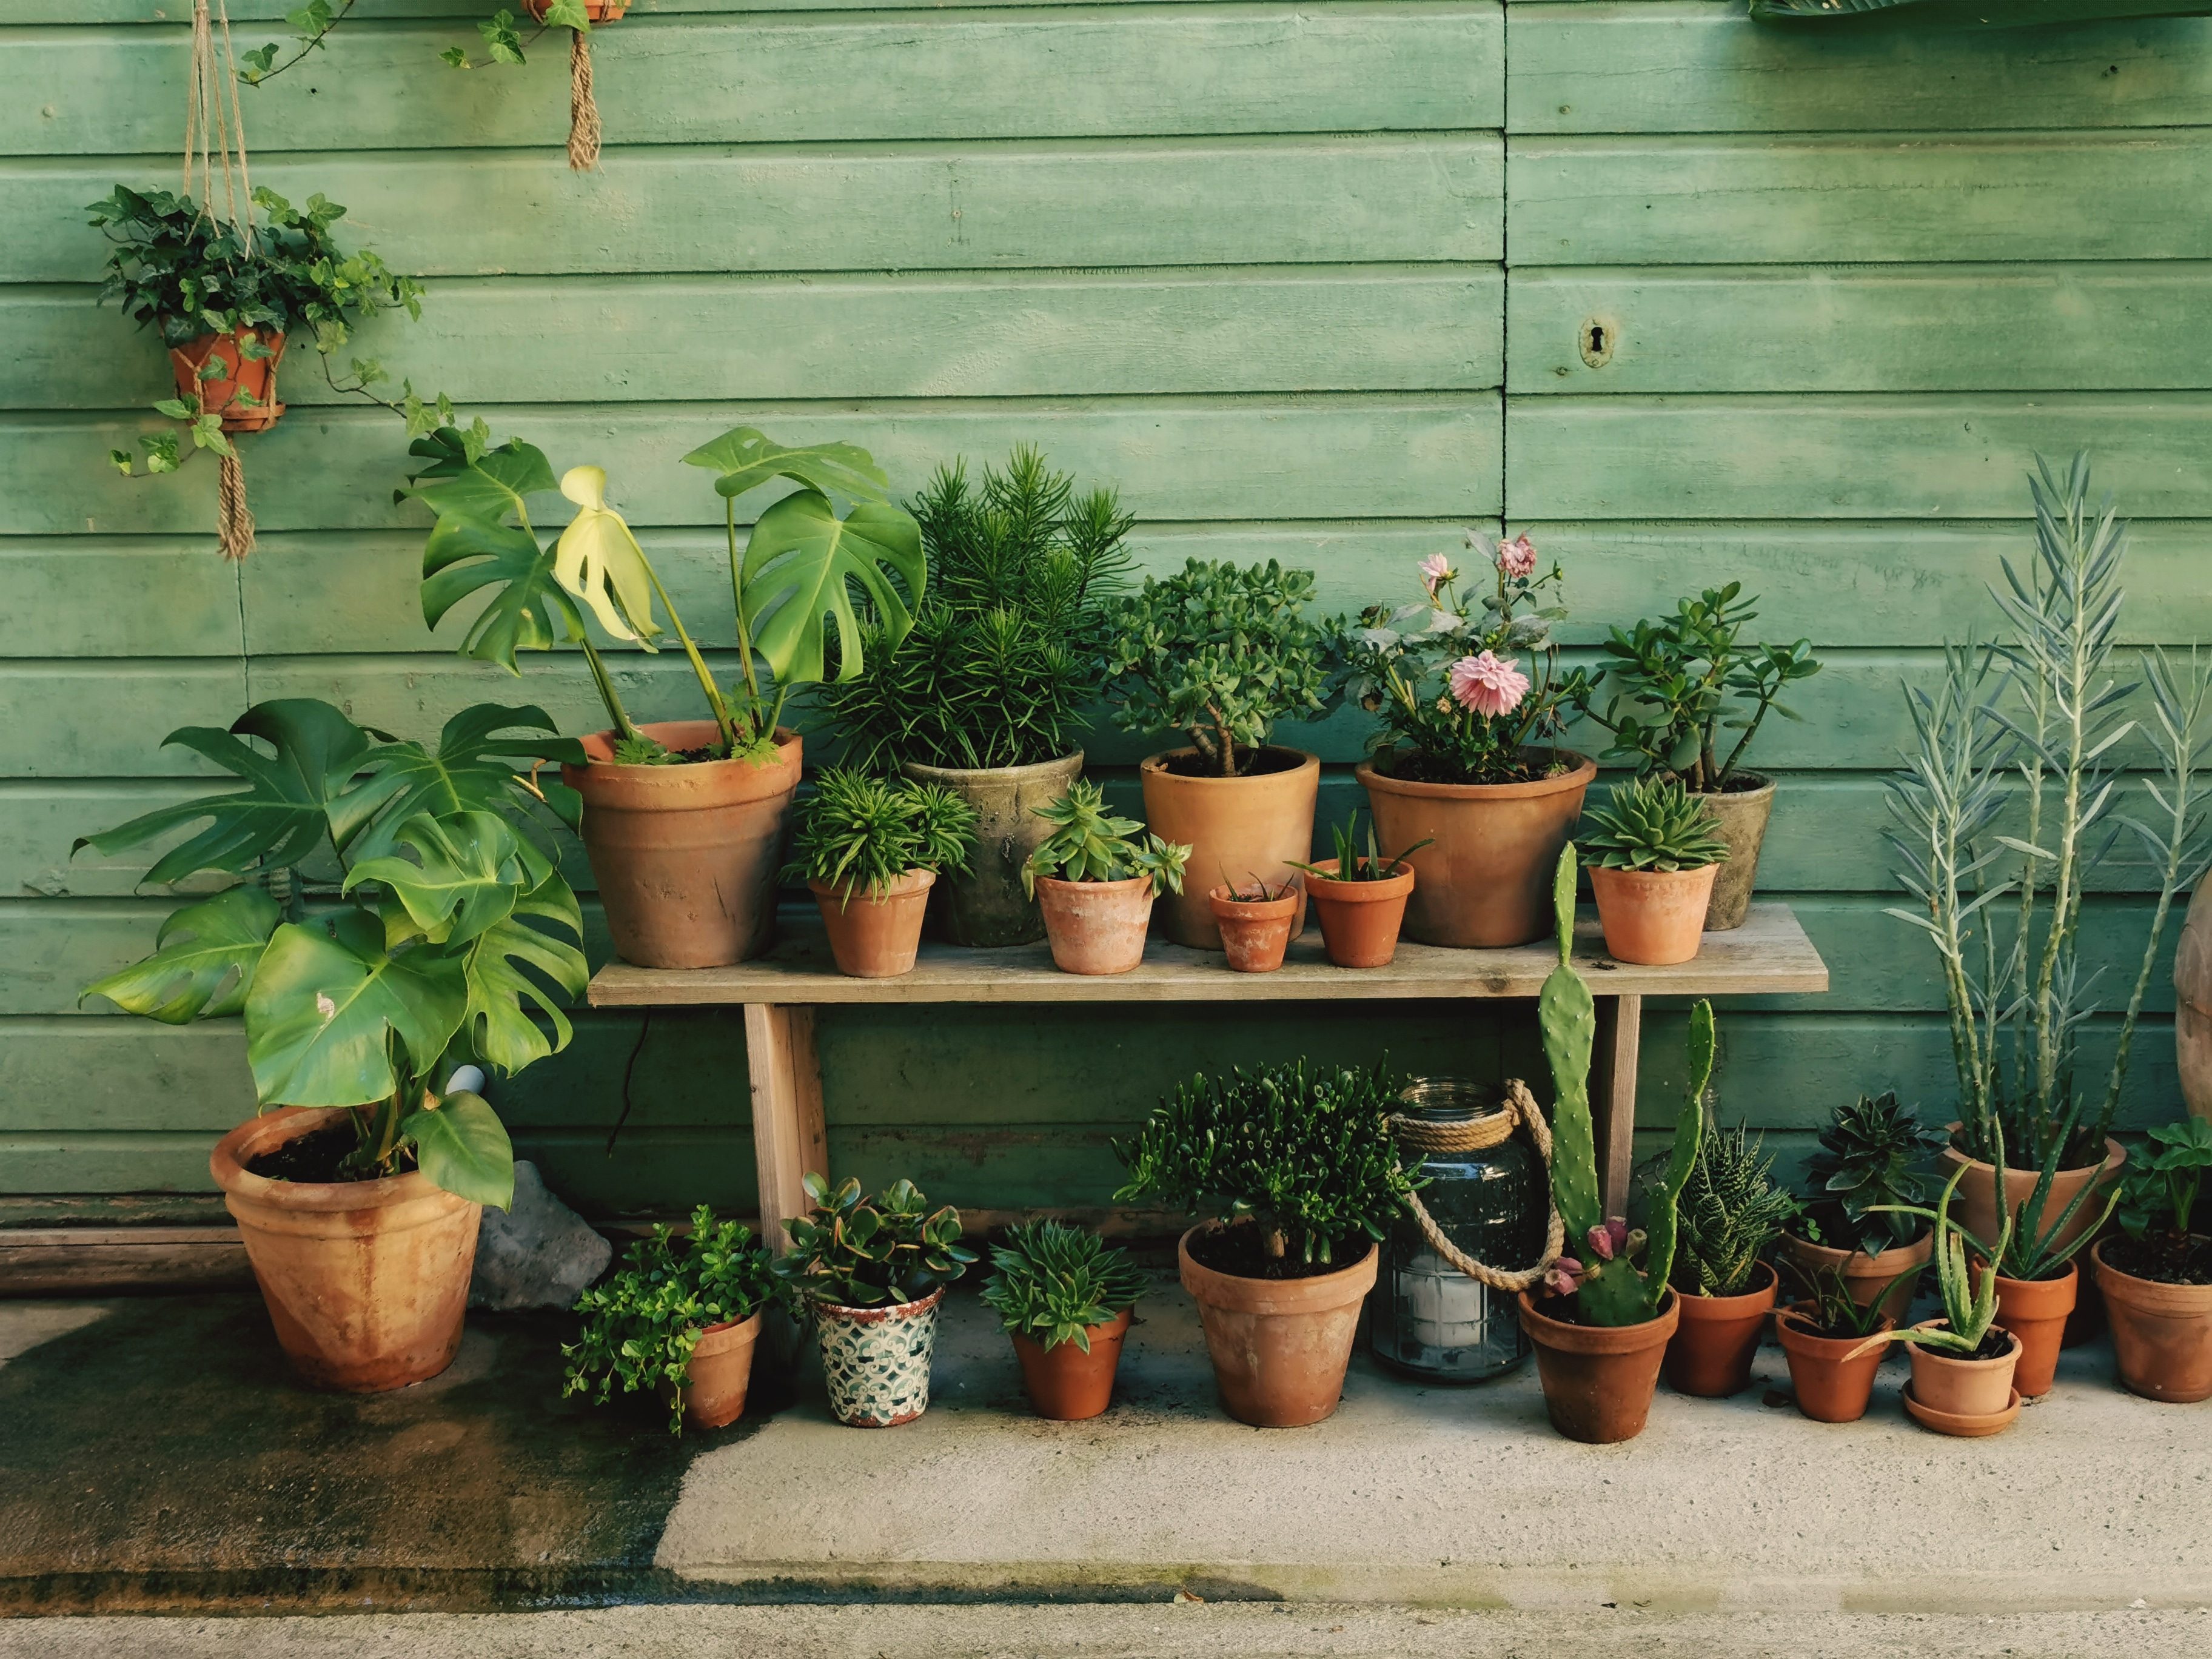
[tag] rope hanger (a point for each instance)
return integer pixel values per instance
(214, 134)
(1519, 1110)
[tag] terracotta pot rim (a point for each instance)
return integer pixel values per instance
(2116, 1157)
(881, 1311)
(1922, 1248)
(1257, 909)
(1765, 785)
(2105, 1270)
(287, 1123)
(2011, 1357)
(927, 771)
(1691, 874)
(1314, 1293)
(598, 742)
(1339, 891)
(729, 1327)
(1696, 1307)
(1121, 885)
(1561, 1335)
(916, 879)
(1578, 778)
(2033, 1286)
(1158, 765)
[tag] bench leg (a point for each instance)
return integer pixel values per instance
(789, 1141)
(1612, 1096)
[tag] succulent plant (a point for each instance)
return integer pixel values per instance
(1089, 843)
(1653, 823)
(1874, 1152)
(859, 832)
(1051, 1281)
(1731, 1211)
(855, 1252)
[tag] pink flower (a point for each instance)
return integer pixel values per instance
(1488, 684)
(1563, 1277)
(1517, 558)
(1436, 571)
(1609, 1240)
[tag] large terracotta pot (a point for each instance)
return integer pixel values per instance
(1255, 932)
(1891, 1276)
(1654, 918)
(720, 1373)
(1238, 830)
(1742, 816)
(1279, 1347)
(1486, 878)
(1977, 1195)
(2192, 1008)
(1095, 927)
(686, 857)
(876, 1360)
(1832, 1378)
(1599, 1379)
(875, 935)
(988, 906)
(1954, 1387)
(1360, 920)
(2161, 1333)
(366, 1281)
(218, 393)
(2034, 1310)
(1066, 1384)
(1711, 1353)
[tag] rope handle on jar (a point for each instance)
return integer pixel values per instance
(1520, 1110)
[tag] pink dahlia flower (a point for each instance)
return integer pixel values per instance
(1517, 558)
(1488, 684)
(1436, 571)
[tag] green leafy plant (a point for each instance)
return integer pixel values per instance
(1051, 1281)
(1731, 1212)
(1870, 1170)
(1970, 1300)
(1089, 843)
(2029, 1249)
(1353, 864)
(642, 1322)
(1012, 639)
(859, 832)
(1219, 653)
(852, 1251)
(1303, 1152)
(2164, 1177)
(1652, 822)
(1834, 1311)
(451, 935)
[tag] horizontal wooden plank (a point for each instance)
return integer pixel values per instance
(16, 13)
(108, 1261)
(92, 596)
(1705, 66)
(1071, 202)
(106, 720)
(117, 1074)
(1348, 67)
(1788, 199)
(1984, 328)
(39, 821)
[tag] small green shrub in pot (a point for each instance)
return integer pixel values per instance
(870, 848)
(1653, 851)
(1064, 1296)
(1096, 875)
(2157, 1275)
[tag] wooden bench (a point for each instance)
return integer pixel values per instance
(780, 991)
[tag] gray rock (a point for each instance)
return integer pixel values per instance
(537, 1254)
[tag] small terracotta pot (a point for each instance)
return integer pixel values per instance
(1485, 879)
(1252, 827)
(1833, 1381)
(1962, 1387)
(1599, 1379)
(686, 857)
(987, 906)
(1254, 933)
(1740, 818)
(2034, 1310)
(218, 393)
(1360, 920)
(877, 1360)
(1653, 918)
(595, 11)
(1279, 1347)
(2161, 1333)
(1711, 1353)
(876, 935)
(721, 1371)
(366, 1281)
(1066, 1384)
(1890, 1276)
(1095, 927)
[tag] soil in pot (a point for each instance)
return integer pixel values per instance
(1249, 828)
(1976, 1385)
(1066, 1384)
(1598, 1379)
(1281, 1336)
(876, 935)
(1654, 918)
(1360, 920)
(1711, 1353)
(1255, 930)
(1833, 1381)
(1095, 927)
(877, 1360)
(1892, 1276)
(2159, 1301)
(1740, 812)
(720, 1373)
(2035, 1310)
(987, 906)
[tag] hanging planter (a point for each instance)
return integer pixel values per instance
(580, 18)
(232, 376)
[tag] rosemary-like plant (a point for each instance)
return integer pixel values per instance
(860, 832)
(1730, 1213)
(1051, 1281)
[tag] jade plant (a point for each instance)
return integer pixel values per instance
(1354, 864)
(1652, 823)
(859, 832)
(1730, 1214)
(1969, 1299)
(1051, 1282)
(1870, 1170)
(1089, 843)
(852, 1251)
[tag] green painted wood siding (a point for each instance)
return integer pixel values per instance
(1305, 282)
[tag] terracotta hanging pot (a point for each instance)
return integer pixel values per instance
(366, 1281)
(720, 1374)
(1653, 918)
(877, 1360)
(2161, 1333)
(1255, 932)
(1599, 1379)
(1832, 1380)
(1279, 1347)
(988, 907)
(595, 11)
(1711, 1353)
(1968, 1389)
(219, 393)
(875, 935)
(1239, 830)
(1066, 1384)
(1486, 878)
(1360, 920)
(1891, 1276)
(2034, 1310)
(1740, 819)
(1095, 927)
(686, 856)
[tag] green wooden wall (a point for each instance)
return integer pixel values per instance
(1309, 282)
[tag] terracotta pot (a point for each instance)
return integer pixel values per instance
(1962, 1387)
(1978, 1210)
(1711, 1353)
(988, 907)
(721, 1371)
(1360, 920)
(1599, 1379)
(2034, 1310)
(877, 1360)
(218, 393)
(1891, 1276)
(1238, 830)
(1742, 816)
(1833, 1381)
(876, 935)
(1066, 1384)
(1279, 1347)
(1254, 933)
(1486, 878)
(2192, 1007)
(2161, 1333)
(686, 857)
(1654, 918)
(366, 1281)
(1095, 927)
(595, 11)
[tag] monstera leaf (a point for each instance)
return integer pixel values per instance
(598, 559)
(279, 817)
(747, 458)
(462, 1146)
(468, 870)
(326, 1001)
(203, 962)
(493, 491)
(468, 772)
(1984, 14)
(502, 996)
(801, 567)
(527, 610)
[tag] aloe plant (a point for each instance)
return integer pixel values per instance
(1970, 1300)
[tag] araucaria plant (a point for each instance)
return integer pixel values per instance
(1012, 640)
(642, 1323)
(1301, 1152)
(1089, 843)
(1051, 1281)
(1444, 674)
(1652, 823)
(1872, 1166)
(852, 1251)
(2011, 794)
(1219, 653)
(1730, 1214)
(860, 833)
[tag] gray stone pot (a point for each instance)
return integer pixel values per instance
(987, 906)
(1742, 814)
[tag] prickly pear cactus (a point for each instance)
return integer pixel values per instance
(1568, 1014)
(1689, 1135)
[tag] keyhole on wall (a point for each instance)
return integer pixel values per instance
(1596, 340)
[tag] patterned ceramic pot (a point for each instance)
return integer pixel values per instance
(876, 1360)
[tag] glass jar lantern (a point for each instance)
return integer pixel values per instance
(1425, 1317)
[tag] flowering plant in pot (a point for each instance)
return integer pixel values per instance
(1823, 1337)
(1221, 653)
(2157, 1277)
(1360, 897)
(873, 1270)
(681, 1317)
(449, 936)
(986, 693)
(683, 820)
(1064, 1298)
(1296, 1167)
(868, 848)
(1467, 759)
(1856, 1220)
(1654, 850)
(1729, 1215)
(1255, 921)
(1680, 686)
(1095, 876)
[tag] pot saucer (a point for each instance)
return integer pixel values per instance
(1966, 1427)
